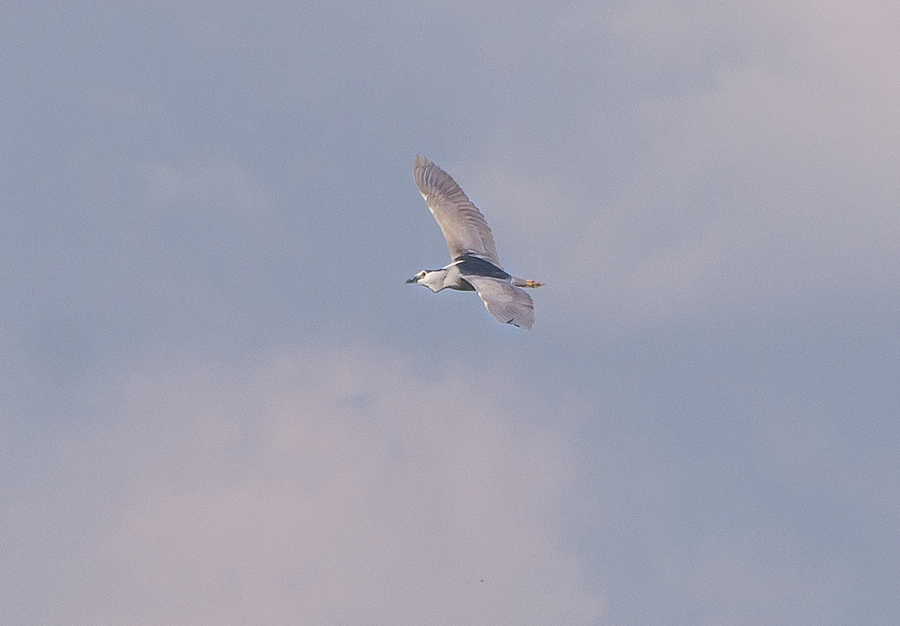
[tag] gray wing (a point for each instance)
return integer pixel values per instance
(505, 302)
(461, 222)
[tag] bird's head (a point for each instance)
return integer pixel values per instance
(433, 279)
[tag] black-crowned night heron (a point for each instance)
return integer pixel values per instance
(475, 266)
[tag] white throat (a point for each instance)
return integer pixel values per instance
(435, 280)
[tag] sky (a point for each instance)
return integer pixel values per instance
(220, 403)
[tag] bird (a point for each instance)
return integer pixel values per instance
(474, 265)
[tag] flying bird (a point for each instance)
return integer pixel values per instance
(474, 265)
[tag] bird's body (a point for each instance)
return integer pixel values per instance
(475, 266)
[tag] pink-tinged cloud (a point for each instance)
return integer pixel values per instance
(327, 488)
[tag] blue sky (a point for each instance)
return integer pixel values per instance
(221, 404)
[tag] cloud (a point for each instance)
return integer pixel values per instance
(202, 187)
(766, 176)
(317, 487)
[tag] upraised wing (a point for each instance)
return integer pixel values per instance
(462, 223)
(505, 302)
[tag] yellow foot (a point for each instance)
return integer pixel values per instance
(533, 284)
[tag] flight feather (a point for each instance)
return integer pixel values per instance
(505, 302)
(463, 225)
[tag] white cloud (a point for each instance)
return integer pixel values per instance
(321, 488)
(771, 176)
(222, 186)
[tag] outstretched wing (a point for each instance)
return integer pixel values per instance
(461, 222)
(506, 303)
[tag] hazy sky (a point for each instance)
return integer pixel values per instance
(220, 404)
